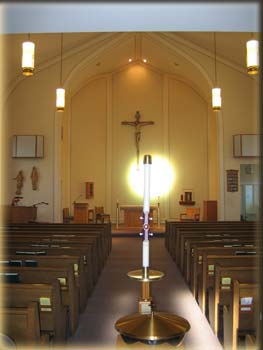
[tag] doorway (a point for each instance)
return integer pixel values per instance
(249, 181)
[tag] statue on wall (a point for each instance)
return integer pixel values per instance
(34, 178)
(19, 182)
(137, 124)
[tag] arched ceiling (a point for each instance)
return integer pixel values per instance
(191, 24)
(230, 48)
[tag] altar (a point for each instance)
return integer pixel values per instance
(132, 214)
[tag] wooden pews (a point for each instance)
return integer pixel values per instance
(219, 261)
(68, 288)
(48, 271)
(83, 282)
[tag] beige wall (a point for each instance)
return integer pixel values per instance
(30, 111)
(88, 141)
(188, 144)
(96, 147)
(240, 117)
(138, 88)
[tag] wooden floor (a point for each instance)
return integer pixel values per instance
(116, 295)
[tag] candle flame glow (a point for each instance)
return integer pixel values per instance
(162, 177)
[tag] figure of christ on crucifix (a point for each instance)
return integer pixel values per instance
(137, 124)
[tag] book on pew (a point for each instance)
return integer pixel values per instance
(242, 252)
(9, 277)
(31, 263)
(4, 262)
(24, 252)
(59, 235)
(15, 263)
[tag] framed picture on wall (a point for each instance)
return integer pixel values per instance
(232, 180)
(187, 197)
(28, 146)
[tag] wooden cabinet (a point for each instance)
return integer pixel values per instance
(210, 211)
(22, 214)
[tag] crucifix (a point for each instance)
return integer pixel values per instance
(137, 124)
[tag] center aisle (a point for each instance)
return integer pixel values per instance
(115, 296)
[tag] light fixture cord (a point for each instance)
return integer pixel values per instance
(215, 58)
(61, 59)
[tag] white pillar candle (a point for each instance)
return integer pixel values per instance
(147, 164)
(145, 253)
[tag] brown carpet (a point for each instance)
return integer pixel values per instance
(115, 296)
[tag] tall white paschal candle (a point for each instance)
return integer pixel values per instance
(147, 161)
(146, 209)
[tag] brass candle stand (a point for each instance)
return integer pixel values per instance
(148, 325)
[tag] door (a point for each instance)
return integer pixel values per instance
(250, 202)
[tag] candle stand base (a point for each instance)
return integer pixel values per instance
(152, 328)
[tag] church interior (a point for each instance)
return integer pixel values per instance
(73, 176)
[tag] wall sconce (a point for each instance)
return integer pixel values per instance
(216, 91)
(60, 92)
(28, 57)
(252, 56)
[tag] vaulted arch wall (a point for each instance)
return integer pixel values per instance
(100, 149)
(101, 92)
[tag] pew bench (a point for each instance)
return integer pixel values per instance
(206, 278)
(240, 317)
(198, 253)
(22, 324)
(83, 252)
(82, 281)
(65, 276)
(223, 244)
(48, 297)
(220, 294)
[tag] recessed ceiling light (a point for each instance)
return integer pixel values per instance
(145, 60)
(130, 59)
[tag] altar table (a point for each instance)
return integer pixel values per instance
(132, 214)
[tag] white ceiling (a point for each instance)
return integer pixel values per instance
(49, 17)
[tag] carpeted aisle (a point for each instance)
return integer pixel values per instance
(115, 296)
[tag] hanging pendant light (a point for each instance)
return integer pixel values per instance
(216, 91)
(28, 57)
(60, 92)
(216, 99)
(252, 56)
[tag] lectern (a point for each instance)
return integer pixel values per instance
(81, 213)
(22, 214)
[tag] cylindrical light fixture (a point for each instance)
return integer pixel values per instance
(60, 99)
(60, 92)
(216, 91)
(216, 99)
(252, 56)
(28, 57)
